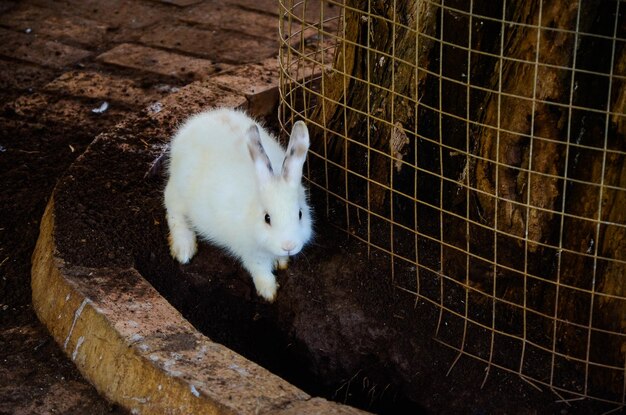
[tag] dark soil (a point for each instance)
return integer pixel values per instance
(36, 376)
(337, 329)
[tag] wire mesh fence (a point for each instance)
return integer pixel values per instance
(480, 146)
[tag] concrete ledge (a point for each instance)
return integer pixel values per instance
(137, 349)
(139, 352)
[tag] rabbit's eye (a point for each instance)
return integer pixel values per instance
(267, 219)
(300, 214)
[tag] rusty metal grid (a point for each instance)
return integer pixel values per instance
(313, 36)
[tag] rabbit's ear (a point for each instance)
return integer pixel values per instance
(296, 153)
(262, 163)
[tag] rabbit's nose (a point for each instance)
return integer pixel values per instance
(288, 246)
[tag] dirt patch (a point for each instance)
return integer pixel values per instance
(338, 329)
(36, 377)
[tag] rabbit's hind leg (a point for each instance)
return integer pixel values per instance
(181, 239)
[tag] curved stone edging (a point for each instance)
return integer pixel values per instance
(139, 351)
(128, 341)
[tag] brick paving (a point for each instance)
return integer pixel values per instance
(157, 61)
(59, 61)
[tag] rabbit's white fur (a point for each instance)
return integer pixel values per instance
(221, 187)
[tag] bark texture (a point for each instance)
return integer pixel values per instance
(365, 58)
(549, 180)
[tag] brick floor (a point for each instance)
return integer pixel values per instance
(18, 77)
(227, 17)
(217, 45)
(50, 23)
(117, 14)
(105, 87)
(143, 58)
(33, 49)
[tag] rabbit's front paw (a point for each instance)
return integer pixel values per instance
(183, 247)
(266, 287)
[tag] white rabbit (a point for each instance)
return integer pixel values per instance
(222, 186)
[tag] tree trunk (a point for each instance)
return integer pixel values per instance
(605, 278)
(372, 84)
(531, 169)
